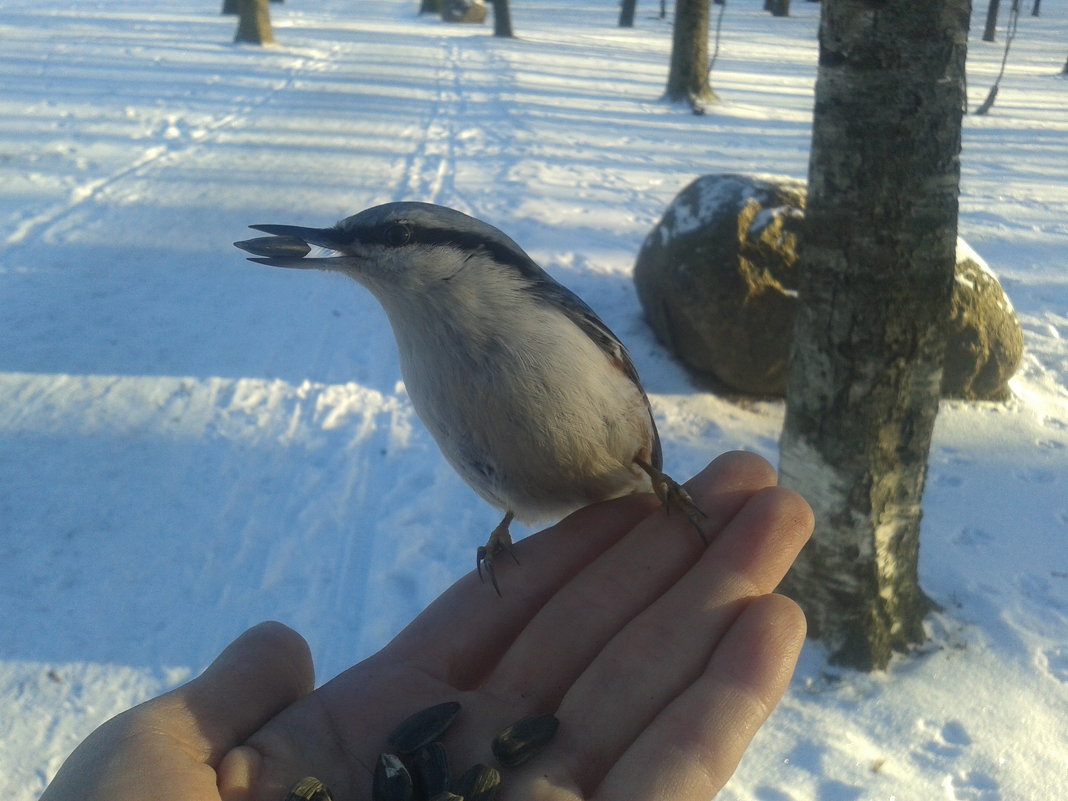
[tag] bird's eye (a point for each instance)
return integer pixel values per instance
(398, 234)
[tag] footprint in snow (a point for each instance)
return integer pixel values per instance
(1037, 475)
(970, 536)
(1054, 661)
(946, 751)
(1050, 444)
(948, 481)
(973, 785)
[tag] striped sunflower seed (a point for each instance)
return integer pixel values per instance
(478, 783)
(524, 738)
(309, 789)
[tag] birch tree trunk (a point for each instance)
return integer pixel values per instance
(876, 273)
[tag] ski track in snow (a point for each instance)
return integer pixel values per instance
(190, 444)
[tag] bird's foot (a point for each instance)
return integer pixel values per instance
(499, 540)
(674, 496)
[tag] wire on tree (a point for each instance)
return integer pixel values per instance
(719, 27)
(1010, 34)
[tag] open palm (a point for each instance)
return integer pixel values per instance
(660, 657)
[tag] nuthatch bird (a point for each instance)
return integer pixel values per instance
(531, 398)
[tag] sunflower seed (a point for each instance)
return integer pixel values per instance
(430, 770)
(479, 783)
(391, 782)
(276, 246)
(423, 728)
(309, 789)
(524, 738)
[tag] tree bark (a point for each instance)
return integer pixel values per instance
(688, 75)
(502, 19)
(430, 7)
(876, 275)
(230, 7)
(779, 8)
(254, 23)
(626, 13)
(991, 28)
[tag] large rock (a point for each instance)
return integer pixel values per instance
(717, 277)
(463, 10)
(985, 342)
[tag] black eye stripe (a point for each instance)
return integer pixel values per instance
(402, 232)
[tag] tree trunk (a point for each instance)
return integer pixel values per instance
(502, 19)
(1034, 8)
(688, 76)
(254, 23)
(991, 27)
(779, 8)
(430, 7)
(230, 7)
(626, 13)
(876, 275)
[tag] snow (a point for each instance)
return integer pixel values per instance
(190, 443)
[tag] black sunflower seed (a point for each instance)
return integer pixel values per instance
(391, 782)
(423, 727)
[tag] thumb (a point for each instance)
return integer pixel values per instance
(259, 674)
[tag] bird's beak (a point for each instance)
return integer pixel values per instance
(288, 245)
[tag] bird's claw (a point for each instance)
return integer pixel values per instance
(674, 496)
(499, 540)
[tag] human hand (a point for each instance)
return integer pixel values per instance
(661, 659)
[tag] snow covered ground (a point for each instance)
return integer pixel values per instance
(190, 443)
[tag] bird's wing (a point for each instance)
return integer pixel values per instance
(576, 310)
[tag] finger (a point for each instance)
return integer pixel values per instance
(690, 750)
(663, 649)
(449, 645)
(467, 630)
(462, 635)
(259, 674)
(565, 636)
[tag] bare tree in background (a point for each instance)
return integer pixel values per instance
(626, 13)
(990, 29)
(502, 19)
(688, 74)
(254, 23)
(876, 275)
